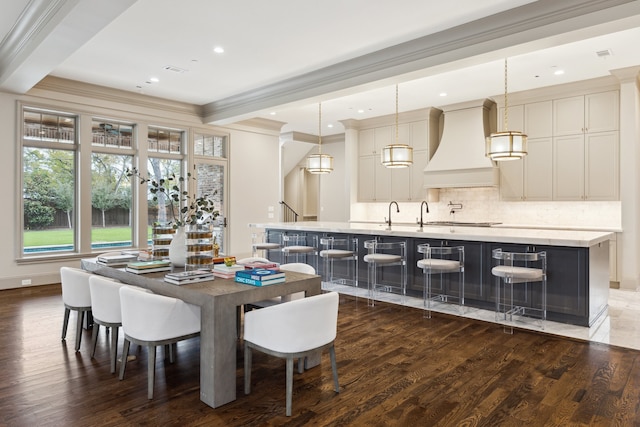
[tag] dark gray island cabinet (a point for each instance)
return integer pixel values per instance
(577, 262)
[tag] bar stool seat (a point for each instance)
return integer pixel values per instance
(519, 268)
(384, 255)
(260, 242)
(442, 261)
(297, 246)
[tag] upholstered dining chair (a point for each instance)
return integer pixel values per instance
(105, 306)
(151, 320)
(292, 330)
(75, 296)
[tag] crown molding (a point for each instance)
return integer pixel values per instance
(528, 23)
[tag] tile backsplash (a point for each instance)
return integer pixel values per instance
(484, 205)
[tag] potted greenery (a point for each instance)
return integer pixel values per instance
(186, 210)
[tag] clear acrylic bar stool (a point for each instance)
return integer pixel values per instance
(260, 242)
(297, 248)
(519, 268)
(344, 251)
(441, 260)
(385, 255)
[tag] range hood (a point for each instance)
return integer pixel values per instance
(460, 160)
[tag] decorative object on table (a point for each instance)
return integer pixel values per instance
(192, 276)
(142, 267)
(216, 248)
(190, 210)
(223, 259)
(259, 277)
(161, 238)
(199, 246)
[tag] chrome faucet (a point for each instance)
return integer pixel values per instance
(424, 203)
(454, 207)
(397, 211)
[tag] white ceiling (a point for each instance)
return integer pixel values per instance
(268, 43)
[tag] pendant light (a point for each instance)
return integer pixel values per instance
(319, 163)
(506, 145)
(397, 155)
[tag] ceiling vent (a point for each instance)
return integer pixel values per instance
(174, 69)
(604, 53)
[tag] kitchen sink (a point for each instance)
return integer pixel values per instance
(462, 224)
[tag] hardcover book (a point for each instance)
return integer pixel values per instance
(187, 275)
(249, 281)
(145, 265)
(260, 274)
(195, 279)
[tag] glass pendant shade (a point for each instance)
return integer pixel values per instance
(508, 145)
(319, 163)
(397, 156)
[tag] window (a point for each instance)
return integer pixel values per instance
(107, 133)
(48, 181)
(111, 201)
(209, 145)
(165, 140)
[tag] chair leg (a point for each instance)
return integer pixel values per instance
(151, 370)
(65, 323)
(113, 350)
(169, 349)
(301, 365)
(334, 368)
(289, 384)
(125, 355)
(79, 330)
(247, 369)
(94, 338)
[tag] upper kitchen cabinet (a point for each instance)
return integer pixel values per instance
(596, 112)
(529, 178)
(586, 167)
(586, 145)
(377, 183)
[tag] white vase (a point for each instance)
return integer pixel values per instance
(177, 248)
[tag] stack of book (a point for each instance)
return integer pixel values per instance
(259, 277)
(226, 271)
(116, 260)
(184, 277)
(223, 259)
(142, 267)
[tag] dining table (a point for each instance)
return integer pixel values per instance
(220, 301)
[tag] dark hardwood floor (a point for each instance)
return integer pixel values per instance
(395, 368)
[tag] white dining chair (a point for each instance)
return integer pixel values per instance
(105, 306)
(75, 296)
(292, 330)
(151, 320)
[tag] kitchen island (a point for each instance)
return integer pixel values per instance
(577, 261)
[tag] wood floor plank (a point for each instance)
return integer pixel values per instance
(395, 368)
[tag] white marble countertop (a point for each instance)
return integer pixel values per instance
(500, 234)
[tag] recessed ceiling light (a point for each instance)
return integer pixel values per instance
(360, 111)
(558, 72)
(218, 49)
(154, 79)
(443, 94)
(330, 125)
(273, 113)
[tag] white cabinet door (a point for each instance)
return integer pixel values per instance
(366, 178)
(601, 112)
(383, 136)
(568, 167)
(420, 160)
(366, 142)
(601, 172)
(515, 118)
(538, 119)
(420, 136)
(401, 183)
(512, 180)
(538, 170)
(568, 116)
(382, 182)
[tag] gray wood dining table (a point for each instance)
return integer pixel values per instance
(219, 301)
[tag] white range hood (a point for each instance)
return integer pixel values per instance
(460, 159)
